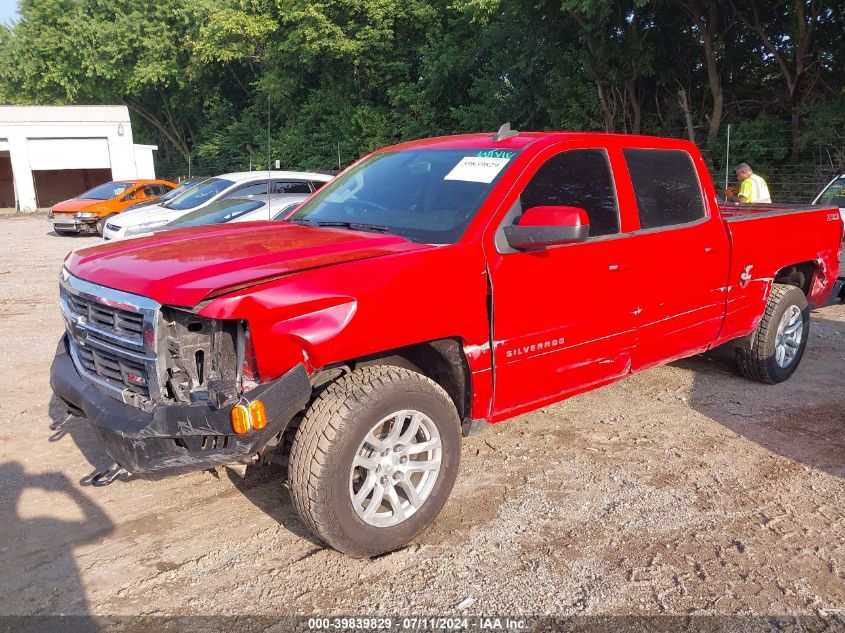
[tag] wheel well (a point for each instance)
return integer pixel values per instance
(442, 360)
(799, 275)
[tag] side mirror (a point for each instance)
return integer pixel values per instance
(539, 227)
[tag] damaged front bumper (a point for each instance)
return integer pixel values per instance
(176, 437)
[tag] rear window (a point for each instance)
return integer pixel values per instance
(666, 187)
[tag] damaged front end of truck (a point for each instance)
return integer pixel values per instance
(165, 388)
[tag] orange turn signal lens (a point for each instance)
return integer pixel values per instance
(240, 419)
(258, 414)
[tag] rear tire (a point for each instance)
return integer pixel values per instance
(375, 459)
(778, 343)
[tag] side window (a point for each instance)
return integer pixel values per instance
(577, 178)
(255, 189)
(291, 186)
(666, 187)
(316, 184)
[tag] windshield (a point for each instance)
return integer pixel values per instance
(218, 212)
(180, 189)
(834, 194)
(424, 195)
(198, 194)
(107, 191)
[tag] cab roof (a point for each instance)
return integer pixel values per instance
(522, 140)
(238, 176)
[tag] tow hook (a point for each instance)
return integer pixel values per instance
(108, 476)
(58, 424)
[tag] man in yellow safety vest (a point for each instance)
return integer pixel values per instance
(752, 188)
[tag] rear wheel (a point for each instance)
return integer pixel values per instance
(778, 343)
(374, 460)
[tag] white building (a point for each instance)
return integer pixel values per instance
(52, 153)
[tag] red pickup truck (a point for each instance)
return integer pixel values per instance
(430, 289)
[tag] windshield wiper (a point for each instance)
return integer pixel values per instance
(355, 226)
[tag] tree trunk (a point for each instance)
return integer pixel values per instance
(175, 139)
(708, 30)
(682, 99)
(795, 131)
(607, 113)
(636, 107)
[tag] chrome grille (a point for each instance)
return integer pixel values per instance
(119, 372)
(121, 322)
(112, 338)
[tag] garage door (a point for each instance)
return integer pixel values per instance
(69, 153)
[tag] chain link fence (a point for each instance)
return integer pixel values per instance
(789, 182)
(176, 168)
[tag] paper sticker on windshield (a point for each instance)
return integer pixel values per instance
(477, 169)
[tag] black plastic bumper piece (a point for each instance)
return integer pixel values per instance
(177, 437)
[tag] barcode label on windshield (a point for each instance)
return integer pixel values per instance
(477, 169)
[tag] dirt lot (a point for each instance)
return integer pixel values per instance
(685, 489)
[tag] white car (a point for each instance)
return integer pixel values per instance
(236, 185)
(833, 194)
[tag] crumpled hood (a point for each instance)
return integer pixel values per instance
(74, 204)
(183, 266)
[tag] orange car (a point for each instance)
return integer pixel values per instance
(90, 210)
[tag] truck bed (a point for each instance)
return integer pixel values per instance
(765, 237)
(737, 212)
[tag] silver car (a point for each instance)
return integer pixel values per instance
(247, 209)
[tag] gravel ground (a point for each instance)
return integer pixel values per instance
(684, 490)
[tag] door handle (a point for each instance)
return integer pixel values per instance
(618, 268)
(710, 250)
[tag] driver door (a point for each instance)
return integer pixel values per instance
(563, 317)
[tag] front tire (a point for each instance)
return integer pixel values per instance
(778, 343)
(101, 224)
(375, 459)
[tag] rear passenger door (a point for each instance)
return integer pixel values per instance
(253, 189)
(682, 258)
